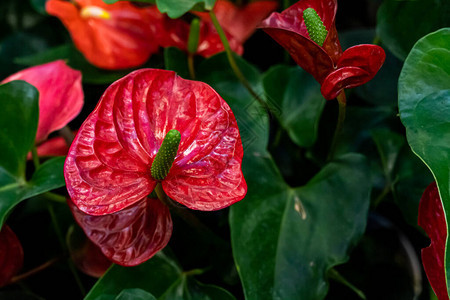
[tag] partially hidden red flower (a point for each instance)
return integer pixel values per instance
(110, 36)
(240, 21)
(108, 168)
(60, 94)
(175, 33)
(432, 220)
(127, 237)
(11, 255)
(333, 69)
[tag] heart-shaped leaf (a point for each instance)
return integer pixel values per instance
(424, 104)
(295, 99)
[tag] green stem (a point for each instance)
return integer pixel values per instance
(55, 197)
(67, 135)
(64, 248)
(186, 215)
(35, 157)
(191, 65)
(333, 274)
(233, 63)
(340, 123)
(36, 270)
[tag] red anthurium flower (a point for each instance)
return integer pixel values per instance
(60, 94)
(109, 170)
(114, 36)
(108, 165)
(175, 33)
(432, 220)
(333, 69)
(11, 255)
(130, 236)
(241, 21)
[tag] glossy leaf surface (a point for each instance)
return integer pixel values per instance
(424, 103)
(187, 288)
(160, 276)
(301, 216)
(130, 236)
(432, 220)
(60, 94)
(11, 258)
(401, 23)
(108, 165)
(297, 96)
(177, 8)
(135, 294)
(282, 256)
(115, 36)
(18, 120)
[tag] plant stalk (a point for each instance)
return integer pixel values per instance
(233, 63)
(342, 101)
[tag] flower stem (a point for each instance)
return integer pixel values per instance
(67, 135)
(35, 157)
(186, 215)
(191, 65)
(340, 123)
(64, 248)
(36, 270)
(233, 63)
(333, 274)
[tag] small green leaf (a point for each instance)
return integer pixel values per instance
(177, 8)
(159, 276)
(47, 177)
(187, 288)
(18, 122)
(135, 294)
(295, 98)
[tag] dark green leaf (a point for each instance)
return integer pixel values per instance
(155, 276)
(401, 23)
(135, 294)
(424, 104)
(293, 236)
(187, 288)
(47, 177)
(176, 60)
(177, 8)
(39, 6)
(159, 276)
(389, 145)
(18, 122)
(297, 100)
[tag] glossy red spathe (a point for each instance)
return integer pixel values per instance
(175, 33)
(114, 36)
(60, 94)
(432, 220)
(333, 69)
(11, 255)
(130, 236)
(240, 21)
(108, 165)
